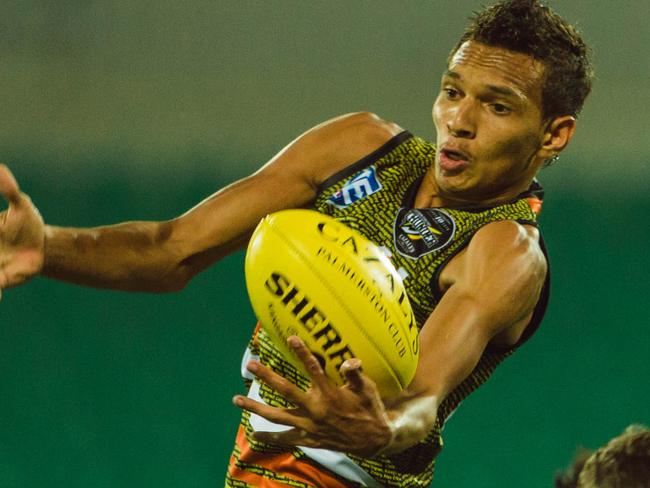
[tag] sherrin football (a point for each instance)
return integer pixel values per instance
(311, 276)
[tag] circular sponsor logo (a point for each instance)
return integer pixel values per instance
(420, 231)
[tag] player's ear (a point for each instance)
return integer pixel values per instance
(557, 135)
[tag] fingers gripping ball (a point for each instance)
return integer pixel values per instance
(311, 276)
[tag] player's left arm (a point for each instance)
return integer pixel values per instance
(491, 297)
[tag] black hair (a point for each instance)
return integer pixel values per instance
(528, 27)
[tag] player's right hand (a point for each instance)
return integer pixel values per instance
(22, 234)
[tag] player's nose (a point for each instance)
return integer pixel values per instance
(462, 120)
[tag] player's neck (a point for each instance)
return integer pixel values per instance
(429, 195)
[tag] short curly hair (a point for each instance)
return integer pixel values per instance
(528, 27)
(623, 461)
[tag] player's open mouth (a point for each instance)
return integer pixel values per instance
(451, 160)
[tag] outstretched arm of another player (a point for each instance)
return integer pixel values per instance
(164, 256)
(495, 286)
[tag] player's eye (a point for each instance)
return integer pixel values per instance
(500, 109)
(451, 93)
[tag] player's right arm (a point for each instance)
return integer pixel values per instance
(164, 256)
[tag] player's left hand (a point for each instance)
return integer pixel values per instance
(350, 418)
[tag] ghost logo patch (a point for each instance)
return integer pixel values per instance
(419, 232)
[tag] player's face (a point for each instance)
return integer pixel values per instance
(489, 123)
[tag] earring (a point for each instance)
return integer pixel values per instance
(552, 160)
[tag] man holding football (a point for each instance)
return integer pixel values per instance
(507, 105)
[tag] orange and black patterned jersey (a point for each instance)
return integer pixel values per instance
(375, 196)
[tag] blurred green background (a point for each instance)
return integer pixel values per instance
(121, 110)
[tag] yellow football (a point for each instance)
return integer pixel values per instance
(311, 276)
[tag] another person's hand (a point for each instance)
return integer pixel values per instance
(349, 418)
(22, 234)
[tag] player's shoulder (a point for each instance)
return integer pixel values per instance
(362, 128)
(337, 143)
(507, 231)
(329, 147)
(507, 235)
(511, 240)
(350, 137)
(497, 246)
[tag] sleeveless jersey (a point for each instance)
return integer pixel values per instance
(375, 197)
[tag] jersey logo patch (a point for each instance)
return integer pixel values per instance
(360, 186)
(419, 232)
